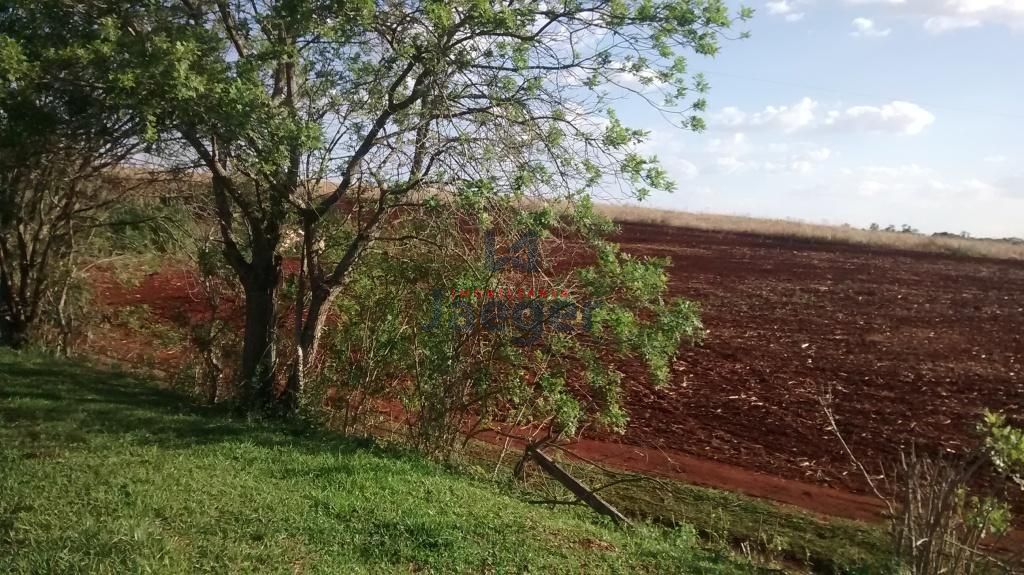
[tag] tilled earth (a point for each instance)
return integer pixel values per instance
(911, 346)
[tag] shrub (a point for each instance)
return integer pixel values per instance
(434, 325)
(942, 509)
(143, 226)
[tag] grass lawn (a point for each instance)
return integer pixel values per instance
(103, 473)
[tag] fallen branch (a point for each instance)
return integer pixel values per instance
(581, 491)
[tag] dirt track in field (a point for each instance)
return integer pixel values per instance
(912, 346)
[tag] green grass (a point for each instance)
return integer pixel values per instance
(770, 531)
(102, 473)
(767, 532)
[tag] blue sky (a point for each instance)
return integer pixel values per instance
(860, 111)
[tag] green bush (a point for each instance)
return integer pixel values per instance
(148, 227)
(419, 323)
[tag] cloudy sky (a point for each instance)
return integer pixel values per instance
(861, 111)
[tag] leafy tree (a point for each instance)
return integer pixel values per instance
(306, 112)
(58, 132)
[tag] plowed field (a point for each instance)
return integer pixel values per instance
(911, 346)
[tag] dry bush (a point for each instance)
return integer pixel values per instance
(942, 512)
(939, 526)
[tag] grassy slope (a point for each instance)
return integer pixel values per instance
(101, 473)
(770, 533)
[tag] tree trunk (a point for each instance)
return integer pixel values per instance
(319, 307)
(13, 332)
(13, 329)
(309, 341)
(259, 347)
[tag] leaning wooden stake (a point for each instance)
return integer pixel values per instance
(581, 491)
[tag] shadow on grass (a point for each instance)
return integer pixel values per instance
(64, 401)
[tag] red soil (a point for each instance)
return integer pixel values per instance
(913, 345)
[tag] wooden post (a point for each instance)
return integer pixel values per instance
(581, 491)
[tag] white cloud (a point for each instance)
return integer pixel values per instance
(938, 16)
(589, 29)
(913, 182)
(946, 15)
(732, 165)
(734, 146)
(940, 24)
(785, 118)
(818, 154)
(1012, 186)
(801, 167)
(978, 189)
(670, 150)
(895, 172)
(683, 169)
(869, 188)
(776, 161)
(785, 8)
(639, 81)
(730, 116)
(586, 119)
(729, 164)
(954, 14)
(863, 27)
(896, 117)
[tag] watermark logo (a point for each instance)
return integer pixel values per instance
(523, 255)
(526, 312)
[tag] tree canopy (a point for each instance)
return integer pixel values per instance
(59, 130)
(334, 119)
